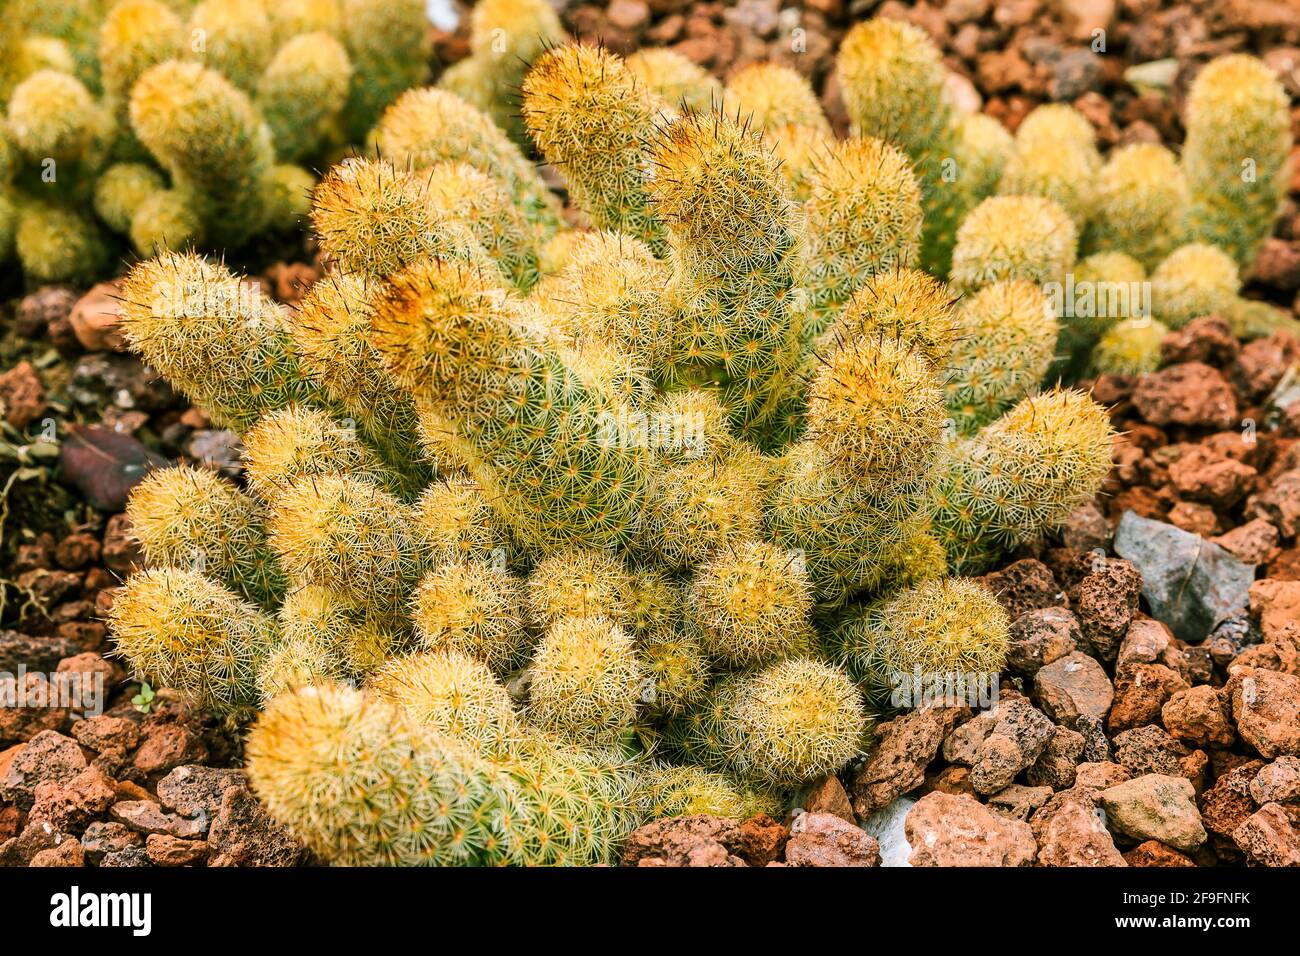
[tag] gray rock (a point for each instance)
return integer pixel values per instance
(1190, 584)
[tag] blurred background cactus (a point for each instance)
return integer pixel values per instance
(179, 125)
(551, 530)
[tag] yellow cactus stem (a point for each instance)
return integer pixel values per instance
(474, 607)
(666, 790)
(506, 36)
(206, 133)
(948, 633)
(677, 672)
(1020, 476)
(610, 290)
(1236, 154)
(349, 535)
(445, 333)
(135, 35)
(792, 722)
(586, 680)
(1195, 280)
(331, 333)
(578, 583)
(1006, 341)
(738, 268)
(188, 517)
(1101, 290)
(463, 195)
(1252, 319)
(1055, 156)
(876, 406)
(1013, 237)
(372, 219)
(450, 693)
(426, 127)
(352, 634)
(178, 629)
(56, 243)
(302, 91)
(232, 37)
(907, 305)
(53, 117)
(217, 339)
(301, 442)
(361, 784)
(591, 117)
(388, 43)
(1130, 347)
(893, 83)
(1141, 191)
(121, 190)
(782, 104)
(864, 218)
(675, 79)
(849, 537)
(289, 18)
(749, 604)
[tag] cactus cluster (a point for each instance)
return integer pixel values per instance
(548, 532)
(175, 124)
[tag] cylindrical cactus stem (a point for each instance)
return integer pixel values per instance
(475, 608)
(677, 672)
(848, 537)
(1055, 156)
(675, 79)
(1013, 237)
(950, 632)
(586, 680)
(1194, 280)
(456, 521)
(749, 604)
(1130, 347)
(56, 243)
(349, 535)
(1020, 476)
(217, 339)
(232, 37)
(181, 630)
(360, 783)
(1102, 290)
(591, 118)
(1006, 341)
(302, 91)
(450, 693)
(429, 126)
(578, 582)
(165, 220)
(737, 246)
(703, 504)
(356, 635)
(982, 150)
(781, 103)
(332, 336)
(667, 790)
(792, 722)
(135, 35)
(610, 290)
(388, 43)
(1236, 154)
(877, 407)
(474, 200)
(301, 442)
(122, 189)
(864, 218)
(1141, 191)
(206, 133)
(893, 82)
(373, 219)
(506, 36)
(53, 118)
(553, 447)
(187, 517)
(906, 305)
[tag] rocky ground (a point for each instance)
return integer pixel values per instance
(1115, 697)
